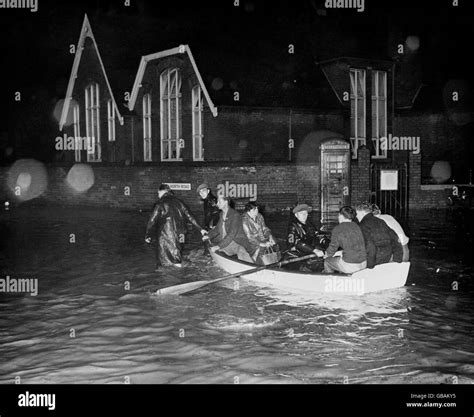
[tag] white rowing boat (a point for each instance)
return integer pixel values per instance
(381, 277)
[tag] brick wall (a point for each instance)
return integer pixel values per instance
(423, 196)
(277, 184)
(360, 177)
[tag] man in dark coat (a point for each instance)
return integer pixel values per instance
(381, 242)
(228, 235)
(303, 237)
(211, 211)
(169, 218)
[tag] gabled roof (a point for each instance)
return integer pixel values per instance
(179, 50)
(86, 31)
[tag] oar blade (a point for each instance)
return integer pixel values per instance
(182, 288)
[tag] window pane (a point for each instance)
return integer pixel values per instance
(173, 149)
(382, 83)
(172, 118)
(360, 118)
(374, 118)
(360, 85)
(353, 129)
(382, 118)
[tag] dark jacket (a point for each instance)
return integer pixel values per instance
(256, 230)
(381, 242)
(169, 219)
(211, 211)
(304, 238)
(349, 238)
(233, 231)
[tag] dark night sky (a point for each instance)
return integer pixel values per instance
(35, 46)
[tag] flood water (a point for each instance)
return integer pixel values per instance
(94, 320)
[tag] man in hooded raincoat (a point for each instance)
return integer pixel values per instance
(169, 218)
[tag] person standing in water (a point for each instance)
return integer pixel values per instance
(169, 217)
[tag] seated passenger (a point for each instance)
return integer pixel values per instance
(257, 232)
(228, 235)
(397, 228)
(348, 237)
(303, 237)
(381, 242)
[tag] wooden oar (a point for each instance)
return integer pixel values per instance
(192, 286)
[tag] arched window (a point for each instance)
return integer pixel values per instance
(197, 106)
(93, 122)
(147, 127)
(170, 112)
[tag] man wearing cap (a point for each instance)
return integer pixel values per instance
(169, 218)
(211, 211)
(303, 237)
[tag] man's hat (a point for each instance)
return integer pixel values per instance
(301, 207)
(202, 187)
(163, 187)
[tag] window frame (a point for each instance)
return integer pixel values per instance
(93, 115)
(197, 110)
(111, 120)
(147, 129)
(166, 97)
(358, 140)
(77, 132)
(375, 100)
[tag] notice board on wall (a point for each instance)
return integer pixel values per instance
(389, 179)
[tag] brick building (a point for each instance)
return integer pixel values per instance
(303, 127)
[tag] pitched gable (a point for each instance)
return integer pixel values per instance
(182, 49)
(86, 33)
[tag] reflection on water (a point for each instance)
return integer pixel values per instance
(94, 320)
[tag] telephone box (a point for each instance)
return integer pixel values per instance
(335, 181)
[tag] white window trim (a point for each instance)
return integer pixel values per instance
(77, 133)
(165, 100)
(358, 139)
(197, 109)
(111, 120)
(147, 151)
(93, 114)
(376, 97)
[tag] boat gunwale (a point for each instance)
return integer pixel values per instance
(280, 269)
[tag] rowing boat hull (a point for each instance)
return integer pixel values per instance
(382, 277)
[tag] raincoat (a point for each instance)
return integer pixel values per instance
(303, 238)
(170, 217)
